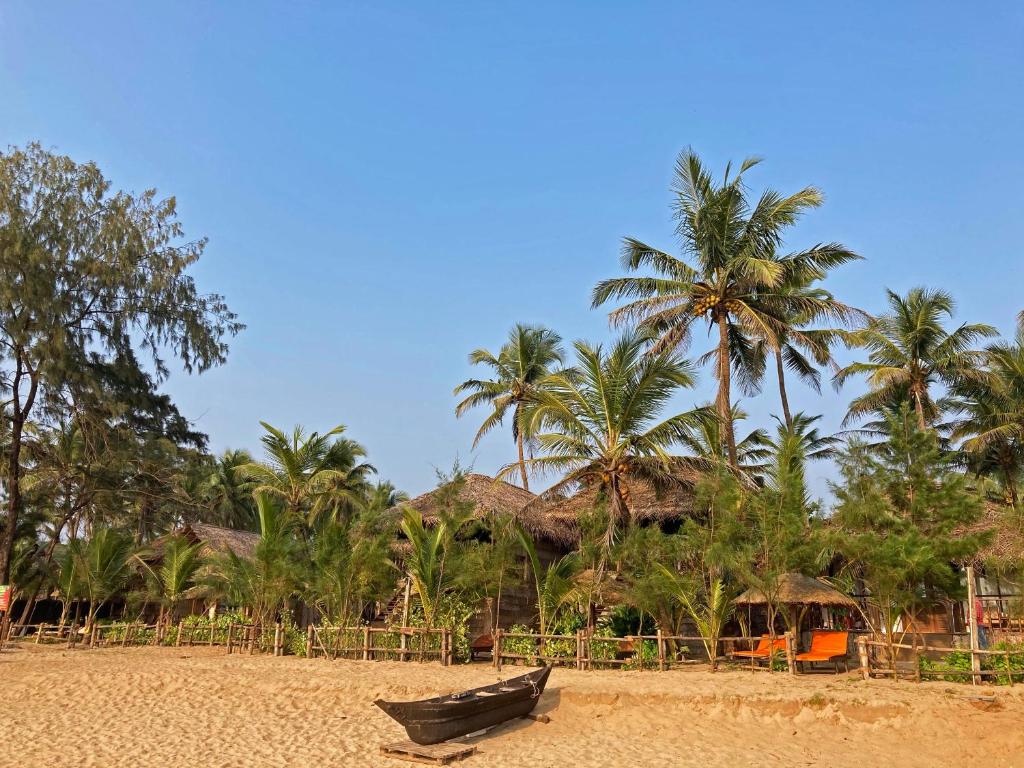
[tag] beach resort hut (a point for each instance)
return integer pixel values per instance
(212, 540)
(797, 594)
(491, 496)
(999, 576)
(666, 508)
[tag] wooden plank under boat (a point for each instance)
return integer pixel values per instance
(432, 721)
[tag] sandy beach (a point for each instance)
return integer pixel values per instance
(200, 707)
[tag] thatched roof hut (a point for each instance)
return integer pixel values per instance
(1005, 548)
(491, 496)
(218, 541)
(797, 589)
(646, 504)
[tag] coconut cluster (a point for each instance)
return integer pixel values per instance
(712, 300)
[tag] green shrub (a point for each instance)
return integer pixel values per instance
(956, 666)
(648, 655)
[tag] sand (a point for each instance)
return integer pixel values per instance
(201, 707)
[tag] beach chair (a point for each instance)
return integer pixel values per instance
(483, 644)
(765, 648)
(826, 646)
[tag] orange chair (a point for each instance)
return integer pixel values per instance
(765, 648)
(483, 644)
(826, 646)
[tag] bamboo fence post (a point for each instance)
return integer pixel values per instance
(366, 643)
(39, 634)
(496, 650)
(278, 651)
(579, 649)
(916, 658)
(124, 637)
(790, 660)
(661, 651)
(71, 637)
(93, 632)
(231, 631)
(177, 636)
(973, 622)
(309, 641)
(865, 659)
(212, 627)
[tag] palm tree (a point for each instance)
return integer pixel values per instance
(167, 581)
(910, 352)
(553, 584)
(384, 496)
(596, 423)
(103, 567)
(705, 448)
(736, 281)
(805, 352)
(524, 360)
(266, 581)
(991, 414)
(425, 562)
(310, 474)
(229, 495)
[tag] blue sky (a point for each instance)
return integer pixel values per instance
(387, 186)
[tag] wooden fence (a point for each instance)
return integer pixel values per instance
(880, 658)
(588, 651)
(379, 643)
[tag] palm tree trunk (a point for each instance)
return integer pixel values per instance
(723, 405)
(919, 409)
(522, 461)
(782, 388)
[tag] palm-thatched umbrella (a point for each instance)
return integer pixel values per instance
(798, 593)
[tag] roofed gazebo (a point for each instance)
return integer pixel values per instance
(798, 593)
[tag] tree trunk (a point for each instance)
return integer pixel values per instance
(1011, 486)
(919, 409)
(522, 461)
(19, 413)
(782, 388)
(723, 402)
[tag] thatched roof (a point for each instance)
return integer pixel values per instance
(1006, 545)
(217, 540)
(797, 589)
(646, 504)
(491, 496)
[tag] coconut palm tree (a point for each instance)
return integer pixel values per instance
(103, 567)
(990, 402)
(811, 348)
(309, 474)
(384, 496)
(264, 582)
(910, 353)
(525, 359)
(552, 585)
(733, 279)
(229, 494)
(169, 579)
(705, 448)
(597, 423)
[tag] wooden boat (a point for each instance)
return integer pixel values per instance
(432, 721)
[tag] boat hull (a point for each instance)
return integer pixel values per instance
(432, 721)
